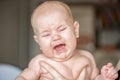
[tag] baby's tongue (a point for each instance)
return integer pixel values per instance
(60, 48)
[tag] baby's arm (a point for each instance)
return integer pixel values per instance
(32, 72)
(109, 72)
(27, 74)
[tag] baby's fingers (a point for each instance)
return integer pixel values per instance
(44, 78)
(53, 72)
(109, 65)
(112, 73)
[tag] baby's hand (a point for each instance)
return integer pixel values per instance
(109, 72)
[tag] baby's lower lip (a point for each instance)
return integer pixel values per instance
(60, 48)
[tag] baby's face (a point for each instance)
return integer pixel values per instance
(56, 35)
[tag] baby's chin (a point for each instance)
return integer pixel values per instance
(62, 56)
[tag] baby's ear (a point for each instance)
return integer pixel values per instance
(76, 25)
(36, 39)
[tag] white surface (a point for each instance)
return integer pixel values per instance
(9, 72)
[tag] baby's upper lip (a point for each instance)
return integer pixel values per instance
(57, 43)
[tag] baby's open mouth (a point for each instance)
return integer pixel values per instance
(60, 48)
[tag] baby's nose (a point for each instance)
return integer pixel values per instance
(56, 37)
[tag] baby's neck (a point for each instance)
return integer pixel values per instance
(72, 59)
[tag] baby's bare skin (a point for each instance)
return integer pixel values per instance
(77, 68)
(56, 33)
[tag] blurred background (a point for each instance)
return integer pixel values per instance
(99, 30)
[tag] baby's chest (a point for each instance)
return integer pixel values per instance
(64, 70)
(80, 69)
(72, 71)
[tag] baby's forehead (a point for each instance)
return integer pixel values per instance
(45, 7)
(51, 6)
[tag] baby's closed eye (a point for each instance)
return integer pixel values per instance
(62, 28)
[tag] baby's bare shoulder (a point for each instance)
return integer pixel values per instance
(36, 60)
(85, 55)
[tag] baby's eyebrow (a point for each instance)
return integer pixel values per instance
(59, 26)
(43, 31)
